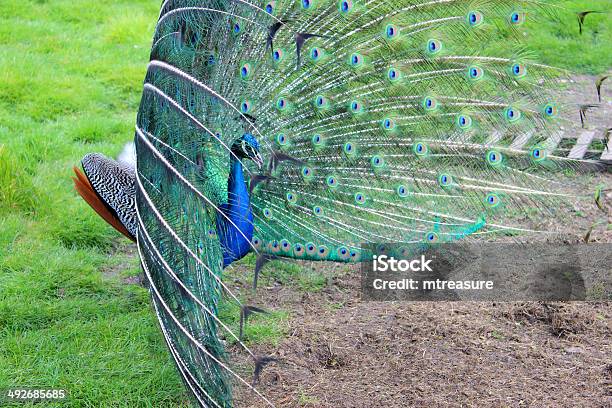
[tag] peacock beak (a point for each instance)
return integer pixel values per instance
(258, 160)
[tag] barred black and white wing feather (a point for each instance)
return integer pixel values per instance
(109, 188)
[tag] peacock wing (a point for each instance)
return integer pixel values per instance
(112, 183)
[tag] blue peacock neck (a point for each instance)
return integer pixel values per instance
(235, 244)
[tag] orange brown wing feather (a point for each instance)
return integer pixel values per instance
(83, 187)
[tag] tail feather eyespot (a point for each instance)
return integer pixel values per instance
(393, 74)
(391, 31)
(464, 122)
(281, 103)
(311, 249)
(402, 191)
(494, 158)
(291, 197)
(434, 46)
(349, 148)
(430, 104)
(345, 6)
(512, 114)
(323, 252)
(360, 198)
(538, 154)
(282, 139)
(285, 245)
(492, 200)
(517, 18)
(298, 250)
(343, 253)
(245, 71)
(355, 60)
(475, 18)
(518, 70)
(420, 149)
(475, 72)
(445, 180)
(431, 237)
(550, 110)
(316, 53)
(277, 55)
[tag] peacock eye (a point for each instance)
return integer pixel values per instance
(431, 237)
(346, 6)
(277, 55)
(356, 60)
(494, 158)
(517, 18)
(393, 74)
(475, 72)
(245, 71)
(550, 110)
(315, 53)
(245, 106)
(434, 46)
(475, 18)
(391, 31)
(519, 70)
(512, 114)
(492, 200)
(538, 154)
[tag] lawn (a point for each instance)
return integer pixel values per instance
(557, 42)
(70, 80)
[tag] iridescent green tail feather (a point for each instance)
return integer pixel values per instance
(381, 121)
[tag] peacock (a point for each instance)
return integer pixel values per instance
(305, 129)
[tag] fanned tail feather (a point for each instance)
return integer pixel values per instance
(418, 121)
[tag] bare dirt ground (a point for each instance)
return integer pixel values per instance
(344, 352)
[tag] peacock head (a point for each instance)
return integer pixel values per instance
(247, 147)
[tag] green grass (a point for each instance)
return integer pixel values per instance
(556, 41)
(261, 328)
(71, 72)
(553, 37)
(70, 79)
(302, 275)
